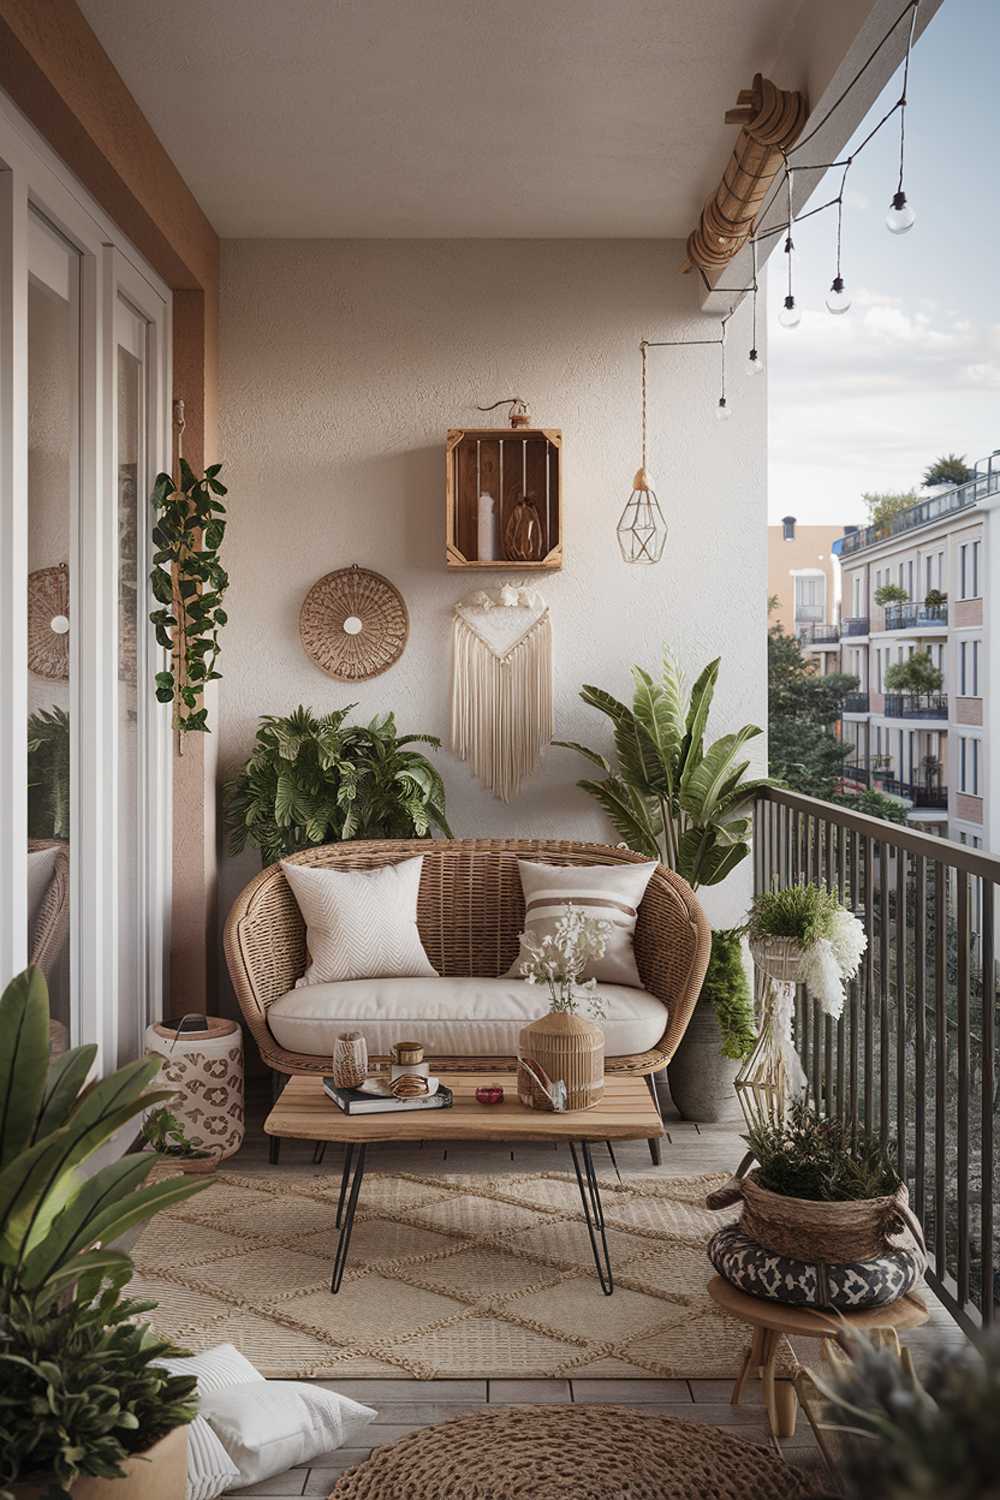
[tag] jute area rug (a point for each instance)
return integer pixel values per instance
(449, 1276)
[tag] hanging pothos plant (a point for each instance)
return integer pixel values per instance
(188, 583)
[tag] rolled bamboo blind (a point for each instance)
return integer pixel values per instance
(772, 120)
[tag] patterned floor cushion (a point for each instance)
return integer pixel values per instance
(777, 1278)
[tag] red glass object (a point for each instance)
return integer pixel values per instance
(490, 1093)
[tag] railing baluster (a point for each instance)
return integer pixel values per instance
(990, 1287)
(920, 1036)
(901, 1155)
(854, 845)
(940, 1069)
(883, 992)
(870, 984)
(963, 1086)
(841, 881)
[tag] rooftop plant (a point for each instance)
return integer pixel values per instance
(884, 508)
(822, 1159)
(318, 780)
(950, 468)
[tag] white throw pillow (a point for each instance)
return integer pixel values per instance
(269, 1426)
(361, 924)
(610, 892)
(41, 868)
(210, 1470)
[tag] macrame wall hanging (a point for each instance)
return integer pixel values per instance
(501, 685)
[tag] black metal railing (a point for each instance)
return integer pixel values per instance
(826, 635)
(910, 616)
(914, 1055)
(921, 795)
(855, 625)
(856, 703)
(915, 706)
(857, 773)
(986, 482)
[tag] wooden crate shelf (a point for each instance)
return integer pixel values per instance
(506, 463)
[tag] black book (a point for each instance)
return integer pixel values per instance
(357, 1102)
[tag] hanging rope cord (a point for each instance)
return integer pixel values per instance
(783, 184)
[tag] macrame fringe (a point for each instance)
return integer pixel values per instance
(501, 706)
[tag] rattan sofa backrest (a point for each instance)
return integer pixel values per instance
(470, 913)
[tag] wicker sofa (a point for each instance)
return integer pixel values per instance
(470, 913)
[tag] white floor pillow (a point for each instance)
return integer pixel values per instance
(210, 1470)
(361, 924)
(269, 1426)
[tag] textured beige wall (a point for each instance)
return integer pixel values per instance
(344, 364)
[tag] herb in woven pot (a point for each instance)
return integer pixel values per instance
(827, 1160)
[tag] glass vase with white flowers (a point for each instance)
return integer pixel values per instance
(559, 959)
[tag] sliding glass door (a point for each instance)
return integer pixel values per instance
(84, 748)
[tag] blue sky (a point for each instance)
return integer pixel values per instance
(865, 400)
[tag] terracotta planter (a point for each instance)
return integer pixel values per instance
(158, 1474)
(567, 1047)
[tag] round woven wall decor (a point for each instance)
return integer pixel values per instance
(48, 622)
(353, 624)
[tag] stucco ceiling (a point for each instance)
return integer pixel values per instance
(387, 118)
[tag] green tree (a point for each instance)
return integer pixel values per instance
(804, 753)
(875, 804)
(883, 508)
(917, 675)
(950, 468)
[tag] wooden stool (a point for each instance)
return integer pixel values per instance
(772, 1320)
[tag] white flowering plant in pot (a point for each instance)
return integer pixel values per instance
(805, 934)
(559, 959)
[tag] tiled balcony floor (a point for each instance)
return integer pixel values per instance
(405, 1406)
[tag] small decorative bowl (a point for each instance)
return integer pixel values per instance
(491, 1093)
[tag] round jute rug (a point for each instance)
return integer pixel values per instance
(586, 1452)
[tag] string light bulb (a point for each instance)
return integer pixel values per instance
(723, 411)
(900, 219)
(754, 365)
(838, 298)
(790, 316)
(642, 531)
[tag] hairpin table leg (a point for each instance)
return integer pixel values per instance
(593, 1213)
(348, 1158)
(319, 1151)
(344, 1242)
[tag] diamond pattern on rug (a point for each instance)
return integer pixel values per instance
(448, 1276)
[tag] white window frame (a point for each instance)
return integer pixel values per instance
(31, 174)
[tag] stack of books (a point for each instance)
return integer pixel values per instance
(361, 1102)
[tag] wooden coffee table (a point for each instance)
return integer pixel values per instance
(626, 1112)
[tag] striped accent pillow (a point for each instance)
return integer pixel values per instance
(611, 892)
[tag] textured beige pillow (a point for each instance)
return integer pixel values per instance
(361, 924)
(610, 892)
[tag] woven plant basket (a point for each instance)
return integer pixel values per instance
(804, 1229)
(779, 957)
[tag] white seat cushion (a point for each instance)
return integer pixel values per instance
(457, 1017)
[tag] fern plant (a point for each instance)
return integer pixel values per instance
(319, 780)
(669, 795)
(727, 989)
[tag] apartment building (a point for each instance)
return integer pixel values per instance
(935, 749)
(803, 580)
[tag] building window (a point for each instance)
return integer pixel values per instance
(969, 669)
(968, 560)
(968, 769)
(810, 597)
(928, 560)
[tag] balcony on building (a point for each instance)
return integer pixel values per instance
(926, 512)
(923, 795)
(818, 634)
(916, 706)
(855, 625)
(856, 703)
(915, 617)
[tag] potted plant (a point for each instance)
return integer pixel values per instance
(720, 1035)
(677, 799)
(802, 934)
(917, 676)
(935, 599)
(825, 1196)
(84, 1403)
(891, 593)
(566, 1047)
(899, 1436)
(164, 1134)
(318, 780)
